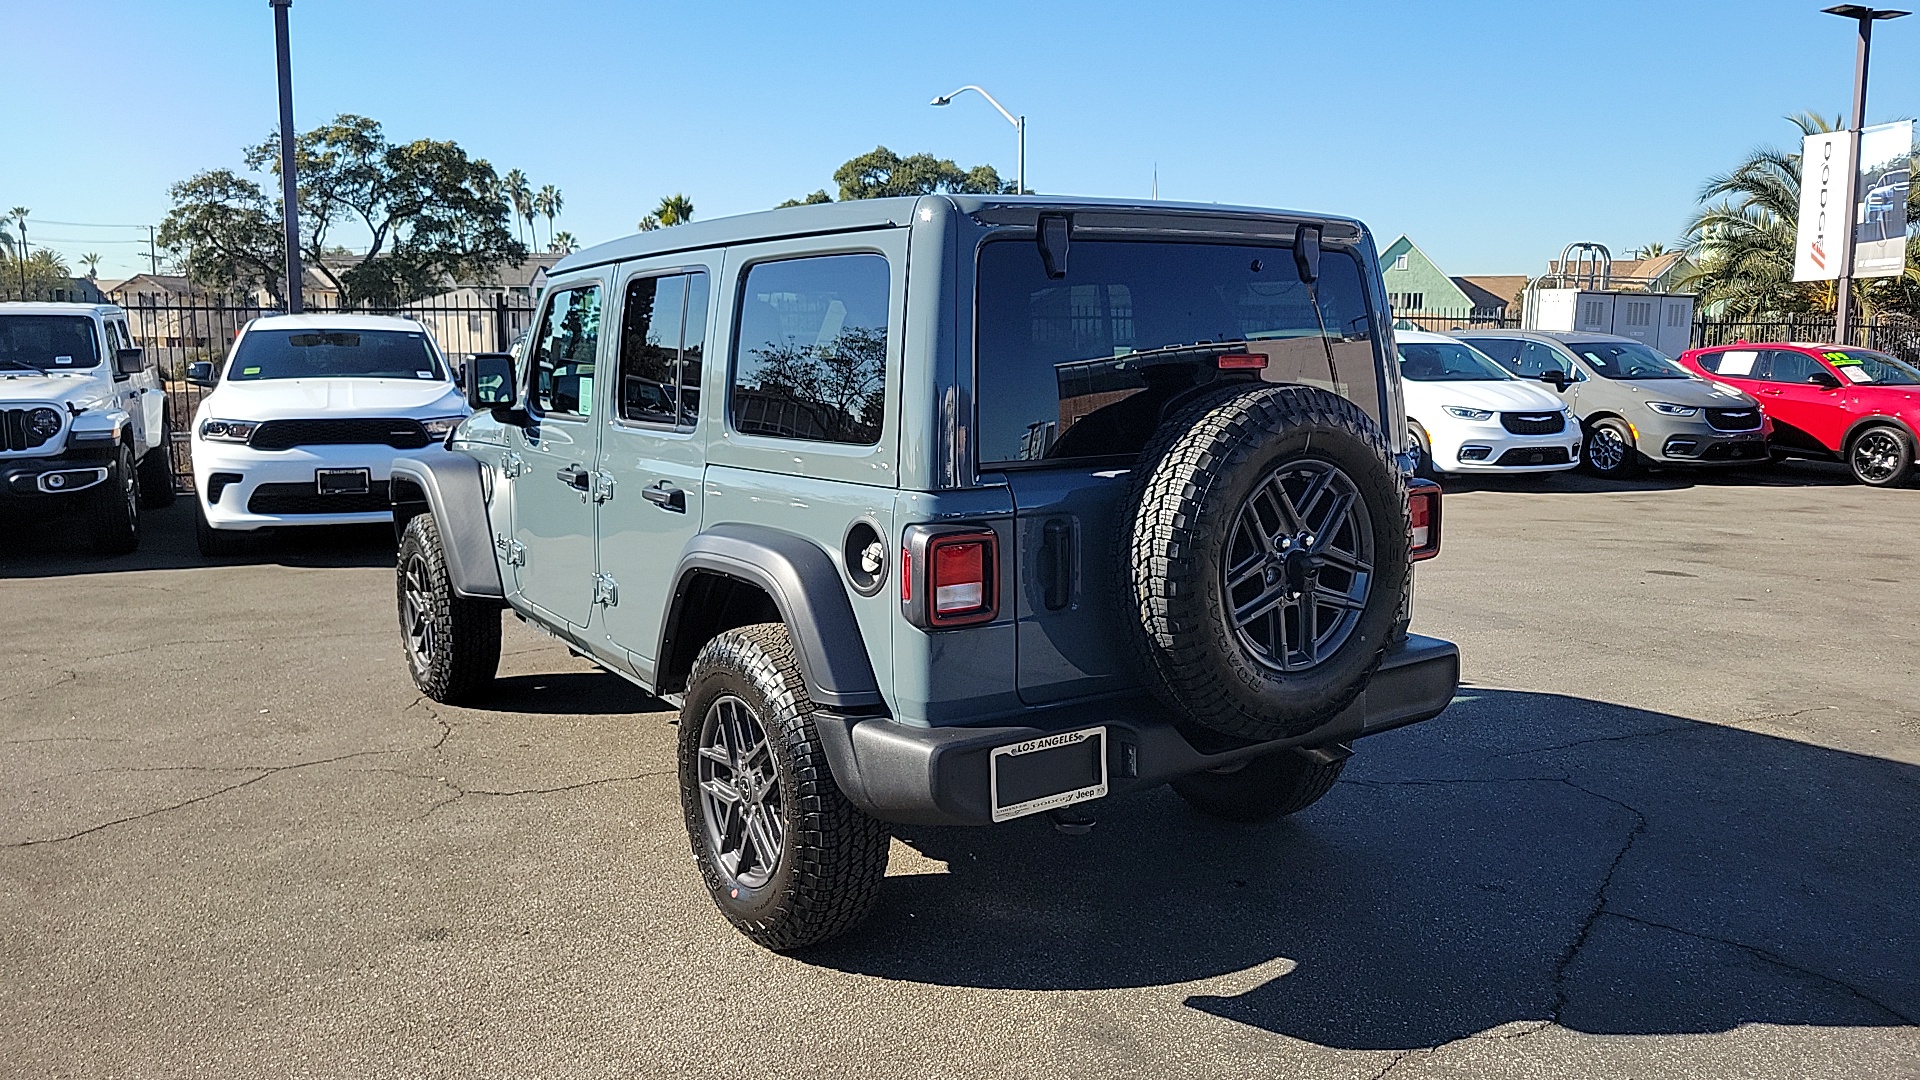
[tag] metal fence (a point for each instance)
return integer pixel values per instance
(1897, 335)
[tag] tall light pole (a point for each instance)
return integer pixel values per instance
(1843, 287)
(1019, 125)
(289, 182)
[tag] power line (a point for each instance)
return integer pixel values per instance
(81, 224)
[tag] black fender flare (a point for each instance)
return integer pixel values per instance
(451, 488)
(1875, 420)
(804, 585)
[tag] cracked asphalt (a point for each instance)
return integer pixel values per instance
(1667, 830)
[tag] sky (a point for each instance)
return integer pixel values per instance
(1493, 133)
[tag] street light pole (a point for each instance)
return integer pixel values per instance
(1019, 125)
(1849, 186)
(289, 182)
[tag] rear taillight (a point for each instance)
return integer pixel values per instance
(1423, 515)
(1241, 361)
(957, 579)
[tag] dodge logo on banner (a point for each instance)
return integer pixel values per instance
(1825, 160)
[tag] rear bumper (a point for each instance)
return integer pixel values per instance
(939, 775)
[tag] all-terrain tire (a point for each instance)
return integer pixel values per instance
(451, 643)
(218, 543)
(1881, 456)
(1265, 787)
(1609, 452)
(156, 469)
(1207, 460)
(113, 507)
(831, 858)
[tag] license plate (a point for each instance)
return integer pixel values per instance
(341, 481)
(1048, 773)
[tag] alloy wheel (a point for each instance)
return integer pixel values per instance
(1299, 565)
(1876, 456)
(1606, 450)
(417, 613)
(740, 800)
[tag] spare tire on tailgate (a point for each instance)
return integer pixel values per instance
(1267, 557)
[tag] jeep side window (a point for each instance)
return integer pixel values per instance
(660, 340)
(810, 356)
(563, 353)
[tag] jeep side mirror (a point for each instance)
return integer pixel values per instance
(200, 373)
(487, 379)
(129, 361)
(1824, 380)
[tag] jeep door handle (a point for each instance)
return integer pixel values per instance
(574, 477)
(665, 496)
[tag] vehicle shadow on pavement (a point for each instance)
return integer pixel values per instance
(55, 545)
(1525, 858)
(1794, 473)
(571, 693)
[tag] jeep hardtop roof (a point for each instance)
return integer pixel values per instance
(860, 214)
(16, 307)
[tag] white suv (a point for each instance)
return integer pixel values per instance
(1467, 414)
(302, 426)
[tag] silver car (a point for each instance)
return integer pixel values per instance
(1636, 407)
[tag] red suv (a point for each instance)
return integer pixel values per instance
(1830, 402)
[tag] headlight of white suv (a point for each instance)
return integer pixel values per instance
(1668, 408)
(1465, 413)
(438, 426)
(238, 431)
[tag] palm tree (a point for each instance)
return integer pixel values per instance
(649, 223)
(1742, 245)
(520, 195)
(564, 243)
(1652, 249)
(92, 261)
(675, 209)
(548, 204)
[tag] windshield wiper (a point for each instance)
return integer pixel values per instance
(22, 364)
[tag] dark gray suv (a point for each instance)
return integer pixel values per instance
(1636, 407)
(948, 511)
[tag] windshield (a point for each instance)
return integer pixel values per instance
(47, 342)
(1431, 361)
(1625, 360)
(1862, 367)
(1080, 366)
(334, 354)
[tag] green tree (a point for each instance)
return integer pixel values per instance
(520, 196)
(881, 173)
(548, 203)
(1742, 245)
(563, 243)
(92, 261)
(1652, 249)
(43, 274)
(817, 197)
(675, 209)
(431, 213)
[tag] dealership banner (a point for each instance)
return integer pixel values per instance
(1825, 160)
(1886, 164)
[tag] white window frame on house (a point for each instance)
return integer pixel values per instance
(1400, 261)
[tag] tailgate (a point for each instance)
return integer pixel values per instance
(1071, 615)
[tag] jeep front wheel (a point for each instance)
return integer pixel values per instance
(113, 507)
(787, 858)
(452, 643)
(1270, 786)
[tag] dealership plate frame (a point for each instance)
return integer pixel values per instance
(1058, 799)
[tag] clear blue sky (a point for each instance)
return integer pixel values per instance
(1493, 133)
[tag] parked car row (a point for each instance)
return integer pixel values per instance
(1529, 401)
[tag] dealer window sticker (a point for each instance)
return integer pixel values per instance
(1854, 372)
(63, 359)
(250, 371)
(1839, 359)
(1737, 363)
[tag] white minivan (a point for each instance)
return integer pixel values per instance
(1467, 414)
(302, 425)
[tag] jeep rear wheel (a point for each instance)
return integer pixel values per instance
(788, 860)
(1267, 558)
(113, 507)
(452, 643)
(1266, 787)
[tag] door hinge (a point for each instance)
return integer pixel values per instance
(514, 551)
(602, 486)
(606, 590)
(512, 465)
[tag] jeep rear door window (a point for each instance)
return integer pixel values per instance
(661, 334)
(48, 342)
(565, 351)
(1080, 367)
(319, 353)
(810, 358)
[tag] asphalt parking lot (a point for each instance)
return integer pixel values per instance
(1667, 830)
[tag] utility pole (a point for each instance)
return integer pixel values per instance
(289, 182)
(1850, 184)
(22, 219)
(153, 254)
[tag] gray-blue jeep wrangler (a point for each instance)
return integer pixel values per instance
(946, 510)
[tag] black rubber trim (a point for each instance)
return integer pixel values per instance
(938, 775)
(812, 598)
(451, 487)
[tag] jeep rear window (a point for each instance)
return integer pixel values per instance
(319, 353)
(1080, 367)
(52, 342)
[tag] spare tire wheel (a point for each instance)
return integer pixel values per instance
(1267, 558)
